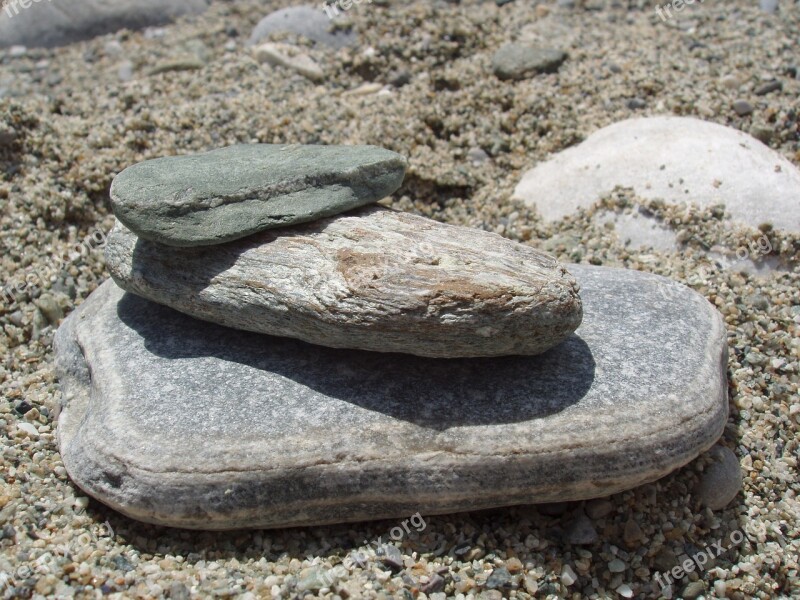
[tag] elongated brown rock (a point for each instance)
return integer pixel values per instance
(374, 279)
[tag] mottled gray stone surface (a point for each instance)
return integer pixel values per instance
(175, 421)
(60, 22)
(309, 21)
(230, 193)
(374, 279)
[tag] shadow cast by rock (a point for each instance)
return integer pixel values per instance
(446, 392)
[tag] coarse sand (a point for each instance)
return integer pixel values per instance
(73, 117)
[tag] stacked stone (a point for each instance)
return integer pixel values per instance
(277, 350)
(255, 237)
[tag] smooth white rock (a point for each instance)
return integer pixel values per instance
(180, 422)
(677, 159)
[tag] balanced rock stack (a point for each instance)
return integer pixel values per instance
(276, 350)
(369, 280)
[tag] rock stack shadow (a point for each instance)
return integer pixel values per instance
(521, 387)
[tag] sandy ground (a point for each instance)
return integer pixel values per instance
(84, 112)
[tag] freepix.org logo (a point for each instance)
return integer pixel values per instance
(12, 7)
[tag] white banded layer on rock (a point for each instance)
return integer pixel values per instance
(375, 279)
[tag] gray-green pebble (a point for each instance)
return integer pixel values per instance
(227, 194)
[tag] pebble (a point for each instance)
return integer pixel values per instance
(730, 82)
(762, 134)
(721, 481)
(23, 407)
(113, 48)
(283, 55)
(311, 580)
(580, 530)
(514, 565)
(48, 25)
(665, 560)
(477, 156)
(519, 61)
(436, 583)
(625, 591)
(207, 199)
(743, 108)
(768, 6)
(28, 429)
(568, 576)
(391, 557)
(599, 508)
(616, 566)
(632, 534)
(307, 21)
(499, 578)
(50, 308)
(766, 88)
(694, 590)
(125, 71)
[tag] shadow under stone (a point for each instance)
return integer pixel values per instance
(435, 394)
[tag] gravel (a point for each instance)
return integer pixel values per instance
(76, 124)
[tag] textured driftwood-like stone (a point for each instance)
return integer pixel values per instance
(230, 193)
(175, 421)
(375, 279)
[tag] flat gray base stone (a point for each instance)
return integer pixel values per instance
(175, 421)
(57, 23)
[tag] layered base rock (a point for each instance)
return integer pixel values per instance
(375, 279)
(175, 421)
